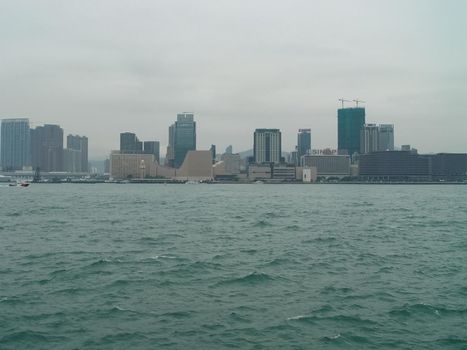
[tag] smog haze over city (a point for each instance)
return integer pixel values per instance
(103, 67)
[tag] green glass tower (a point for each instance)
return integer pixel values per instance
(350, 121)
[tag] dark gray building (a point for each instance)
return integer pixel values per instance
(79, 143)
(395, 165)
(15, 144)
(182, 138)
(47, 148)
(448, 166)
(152, 147)
(129, 143)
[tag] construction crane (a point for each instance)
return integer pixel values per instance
(357, 101)
(342, 100)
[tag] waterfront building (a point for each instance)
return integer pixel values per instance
(395, 165)
(350, 122)
(232, 162)
(257, 172)
(275, 172)
(182, 138)
(228, 167)
(131, 165)
(47, 148)
(386, 137)
(303, 143)
(79, 143)
(267, 146)
(129, 143)
(152, 147)
(448, 166)
(15, 144)
(309, 174)
(197, 166)
(328, 165)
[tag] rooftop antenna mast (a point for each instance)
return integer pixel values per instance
(342, 100)
(357, 101)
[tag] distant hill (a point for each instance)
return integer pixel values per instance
(246, 154)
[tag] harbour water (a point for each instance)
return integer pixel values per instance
(233, 266)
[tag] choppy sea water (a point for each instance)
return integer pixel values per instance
(233, 266)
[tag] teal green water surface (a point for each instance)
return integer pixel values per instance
(233, 266)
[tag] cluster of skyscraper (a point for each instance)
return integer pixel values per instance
(182, 138)
(364, 151)
(41, 148)
(130, 144)
(354, 136)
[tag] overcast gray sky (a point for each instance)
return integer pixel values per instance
(101, 67)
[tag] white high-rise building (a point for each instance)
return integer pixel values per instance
(374, 138)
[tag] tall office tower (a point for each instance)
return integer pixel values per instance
(47, 147)
(369, 138)
(349, 124)
(303, 143)
(267, 146)
(130, 144)
(79, 143)
(386, 137)
(15, 147)
(182, 138)
(213, 153)
(229, 149)
(152, 147)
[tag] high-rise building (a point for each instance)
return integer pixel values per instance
(79, 143)
(15, 144)
(152, 147)
(213, 153)
(182, 138)
(386, 137)
(374, 138)
(47, 147)
(349, 124)
(72, 160)
(303, 143)
(267, 147)
(129, 143)
(369, 138)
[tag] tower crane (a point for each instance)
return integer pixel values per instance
(342, 100)
(357, 101)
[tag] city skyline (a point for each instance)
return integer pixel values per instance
(238, 66)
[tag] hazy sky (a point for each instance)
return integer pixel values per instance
(101, 67)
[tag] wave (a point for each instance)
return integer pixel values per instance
(262, 223)
(348, 319)
(30, 337)
(410, 310)
(253, 278)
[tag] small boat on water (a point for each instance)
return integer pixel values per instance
(19, 184)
